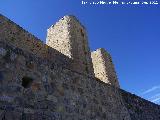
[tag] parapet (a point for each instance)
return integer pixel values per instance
(69, 37)
(103, 67)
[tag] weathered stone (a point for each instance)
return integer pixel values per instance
(52, 98)
(8, 115)
(69, 37)
(41, 83)
(1, 76)
(3, 52)
(80, 90)
(60, 108)
(14, 88)
(30, 64)
(65, 86)
(7, 56)
(13, 56)
(103, 67)
(28, 110)
(21, 61)
(35, 86)
(6, 98)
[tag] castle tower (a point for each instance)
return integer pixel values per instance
(103, 67)
(69, 37)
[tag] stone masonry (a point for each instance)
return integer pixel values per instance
(69, 37)
(103, 67)
(41, 82)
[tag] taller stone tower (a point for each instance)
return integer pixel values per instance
(69, 37)
(103, 67)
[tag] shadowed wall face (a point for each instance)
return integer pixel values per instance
(34, 89)
(69, 37)
(103, 67)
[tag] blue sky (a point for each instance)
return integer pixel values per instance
(131, 33)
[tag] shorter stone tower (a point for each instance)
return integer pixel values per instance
(103, 67)
(69, 37)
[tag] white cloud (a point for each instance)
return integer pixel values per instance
(154, 96)
(156, 99)
(151, 90)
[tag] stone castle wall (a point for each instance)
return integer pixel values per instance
(34, 89)
(140, 109)
(14, 35)
(38, 82)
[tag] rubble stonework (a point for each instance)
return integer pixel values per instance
(140, 109)
(39, 82)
